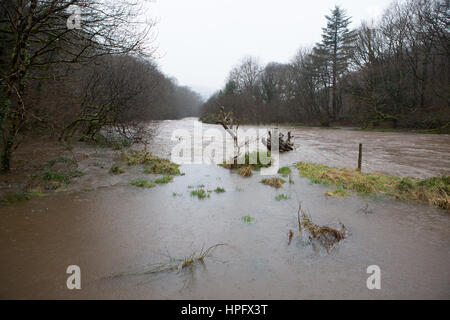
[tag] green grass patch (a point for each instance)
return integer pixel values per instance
(281, 197)
(164, 180)
(142, 183)
(273, 182)
(152, 164)
(338, 192)
(248, 219)
(435, 191)
(22, 196)
(199, 193)
(219, 190)
(248, 162)
(284, 171)
(62, 177)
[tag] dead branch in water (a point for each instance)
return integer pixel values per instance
(326, 236)
(175, 264)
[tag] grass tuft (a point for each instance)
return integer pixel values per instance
(281, 197)
(248, 219)
(164, 180)
(273, 182)
(248, 162)
(200, 193)
(142, 183)
(153, 164)
(219, 190)
(284, 171)
(338, 192)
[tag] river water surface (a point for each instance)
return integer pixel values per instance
(118, 228)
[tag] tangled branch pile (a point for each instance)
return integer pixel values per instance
(324, 235)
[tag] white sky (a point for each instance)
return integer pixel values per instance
(201, 40)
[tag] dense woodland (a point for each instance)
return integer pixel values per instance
(73, 76)
(393, 72)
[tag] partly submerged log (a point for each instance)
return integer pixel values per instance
(284, 143)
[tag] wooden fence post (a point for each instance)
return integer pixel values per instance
(360, 157)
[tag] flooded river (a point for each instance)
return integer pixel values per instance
(117, 228)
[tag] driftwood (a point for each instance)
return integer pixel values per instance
(284, 143)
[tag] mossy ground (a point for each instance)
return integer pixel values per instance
(435, 191)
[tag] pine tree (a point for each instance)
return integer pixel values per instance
(335, 48)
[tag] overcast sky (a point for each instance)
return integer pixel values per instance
(201, 40)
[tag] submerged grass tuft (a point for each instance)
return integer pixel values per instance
(164, 180)
(22, 196)
(435, 191)
(284, 171)
(142, 183)
(219, 190)
(338, 192)
(248, 162)
(248, 219)
(174, 264)
(273, 182)
(281, 197)
(200, 193)
(152, 164)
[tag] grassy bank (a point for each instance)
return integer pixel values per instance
(435, 191)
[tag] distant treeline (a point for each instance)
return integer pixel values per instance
(76, 67)
(393, 72)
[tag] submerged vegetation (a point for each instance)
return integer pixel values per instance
(281, 196)
(164, 180)
(338, 192)
(22, 196)
(435, 191)
(176, 263)
(152, 164)
(248, 219)
(142, 183)
(273, 182)
(200, 193)
(248, 162)
(324, 235)
(284, 171)
(219, 190)
(116, 169)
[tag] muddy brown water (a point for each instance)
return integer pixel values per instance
(118, 228)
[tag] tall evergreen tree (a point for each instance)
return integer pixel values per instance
(335, 48)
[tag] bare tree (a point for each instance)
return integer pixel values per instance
(36, 35)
